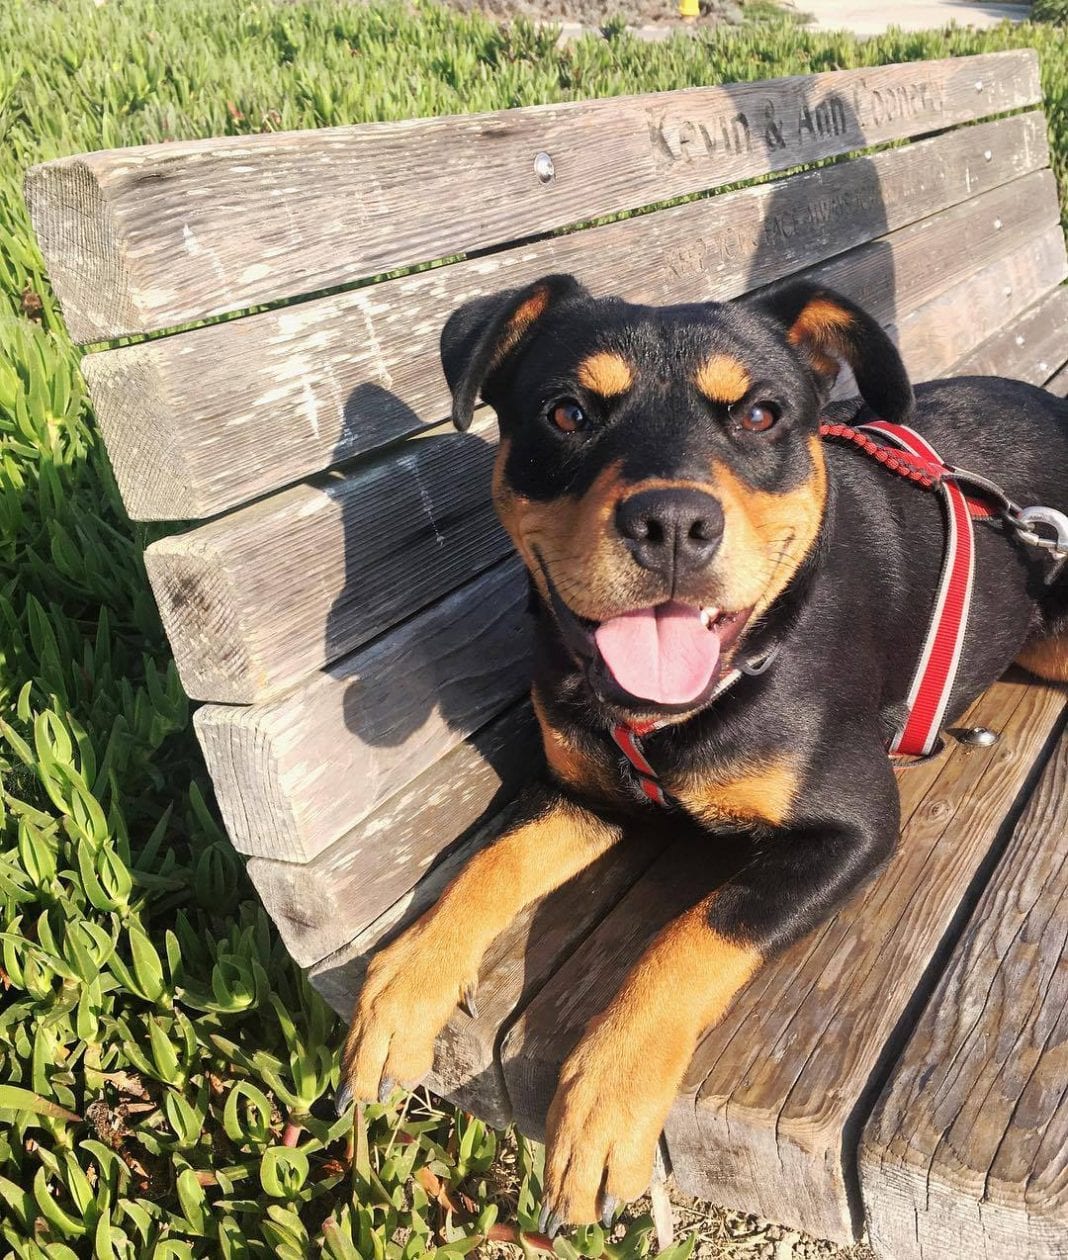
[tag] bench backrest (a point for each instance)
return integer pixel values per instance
(348, 606)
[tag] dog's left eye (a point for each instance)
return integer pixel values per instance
(758, 417)
(568, 416)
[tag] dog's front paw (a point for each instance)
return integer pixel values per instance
(411, 989)
(613, 1097)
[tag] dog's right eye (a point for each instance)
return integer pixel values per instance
(568, 416)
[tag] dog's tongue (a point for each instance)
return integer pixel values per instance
(665, 654)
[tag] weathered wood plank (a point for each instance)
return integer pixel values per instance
(259, 599)
(967, 1152)
(1036, 344)
(144, 239)
(517, 965)
(198, 423)
(763, 1122)
(936, 338)
(256, 601)
(321, 905)
(1058, 382)
(293, 776)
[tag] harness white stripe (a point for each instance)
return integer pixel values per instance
(928, 696)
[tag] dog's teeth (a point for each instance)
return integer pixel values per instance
(708, 615)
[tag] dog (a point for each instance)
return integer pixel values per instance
(662, 473)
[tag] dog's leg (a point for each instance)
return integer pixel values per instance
(414, 983)
(619, 1082)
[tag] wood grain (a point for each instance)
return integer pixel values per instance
(293, 776)
(257, 600)
(763, 1122)
(967, 1152)
(198, 423)
(1036, 345)
(143, 239)
(1058, 382)
(466, 1069)
(321, 905)
(940, 338)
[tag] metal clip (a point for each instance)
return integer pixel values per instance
(1024, 521)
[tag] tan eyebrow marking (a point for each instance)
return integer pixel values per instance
(606, 373)
(722, 378)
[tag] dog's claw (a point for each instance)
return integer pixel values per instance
(385, 1089)
(549, 1222)
(609, 1203)
(468, 1002)
(343, 1098)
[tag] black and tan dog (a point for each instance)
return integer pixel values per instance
(661, 474)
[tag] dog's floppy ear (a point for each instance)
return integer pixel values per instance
(480, 335)
(824, 325)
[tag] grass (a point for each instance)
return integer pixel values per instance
(166, 1069)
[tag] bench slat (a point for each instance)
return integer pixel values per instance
(966, 1152)
(1037, 344)
(320, 908)
(144, 239)
(201, 422)
(764, 1118)
(1058, 383)
(934, 338)
(245, 599)
(293, 776)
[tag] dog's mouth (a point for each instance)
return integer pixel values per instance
(670, 654)
(667, 656)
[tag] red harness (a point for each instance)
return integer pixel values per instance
(912, 457)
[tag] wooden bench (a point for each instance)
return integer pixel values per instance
(345, 603)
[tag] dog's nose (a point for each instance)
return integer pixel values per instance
(672, 532)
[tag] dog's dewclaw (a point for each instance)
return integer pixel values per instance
(467, 1001)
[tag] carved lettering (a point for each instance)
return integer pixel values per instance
(828, 118)
(896, 101)
(773, 136)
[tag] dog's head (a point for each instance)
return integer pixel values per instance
(660, 469)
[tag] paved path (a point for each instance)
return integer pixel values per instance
(871, 17)
(863, 17)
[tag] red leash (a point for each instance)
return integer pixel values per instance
(912, 457)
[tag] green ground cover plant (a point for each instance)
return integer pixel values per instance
(165, 1070)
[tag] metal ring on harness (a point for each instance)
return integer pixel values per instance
(1025, 519)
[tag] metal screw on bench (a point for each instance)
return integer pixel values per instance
(976, 736)
(544, 168)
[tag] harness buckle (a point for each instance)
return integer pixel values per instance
(1025, 520)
